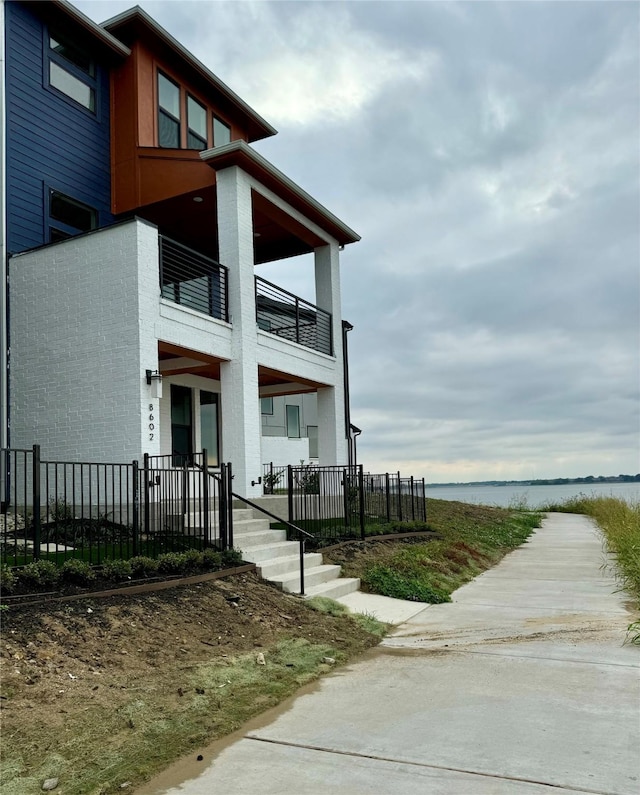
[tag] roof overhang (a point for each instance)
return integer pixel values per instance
(55, 10)
(239, 153)
(130, 23)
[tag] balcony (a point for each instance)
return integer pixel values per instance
(190, 279)
(285, 315)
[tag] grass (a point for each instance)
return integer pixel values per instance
(619, 522)
(365, 621)
(468, 539)
(144, 733)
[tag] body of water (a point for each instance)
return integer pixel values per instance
(535, 496)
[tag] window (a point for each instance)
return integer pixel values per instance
(197, 124)
(312, 433)
(72, 71)
(168, 113)
(293, 422)
(221, 132)
(68, 217)
(181, 426)
(266, 405)
(209, 425)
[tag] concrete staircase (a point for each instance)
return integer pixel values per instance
(278, 560)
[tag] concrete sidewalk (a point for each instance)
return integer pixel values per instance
(521, 685)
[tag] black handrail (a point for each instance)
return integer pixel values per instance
(303, 535)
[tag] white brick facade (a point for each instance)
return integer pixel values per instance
(87, 320)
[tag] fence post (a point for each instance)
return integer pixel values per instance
(37, 519)
(413, 504)
(399, 498)
(135, 474)
(346, 505)
(290, 491)
(230, 506)
(222, 506)
(205, 495)
(424, 502)
(388, 496)
(147, 487)
(361, 498)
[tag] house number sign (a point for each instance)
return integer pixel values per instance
(152, 426)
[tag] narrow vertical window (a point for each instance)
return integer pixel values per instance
(209, 426)
(221, 132)
(197, 125)
(181, 426)
(293, 422)
(168, 113)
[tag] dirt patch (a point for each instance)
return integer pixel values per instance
(64, 664)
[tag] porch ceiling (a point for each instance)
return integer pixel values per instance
(176, 360)
(194, 223)
(274, 383)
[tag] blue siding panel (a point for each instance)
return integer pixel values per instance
(51, 141)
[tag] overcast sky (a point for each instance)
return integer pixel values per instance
(488, 155)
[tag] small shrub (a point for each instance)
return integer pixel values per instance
(142, 566)
(117, 570)
(271, 480)
(60, 510)
(171, 563)
(211, 560)
(192, 561)
(39, 574)
(8, 579)
(77, 571)
(231, 557)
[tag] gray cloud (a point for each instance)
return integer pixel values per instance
(488, 154)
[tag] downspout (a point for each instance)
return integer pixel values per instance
(346, 328)
(4, 390)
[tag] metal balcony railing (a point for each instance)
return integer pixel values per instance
(193, 280)
(285, 315)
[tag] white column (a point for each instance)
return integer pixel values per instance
(332, 443)
(239, 377)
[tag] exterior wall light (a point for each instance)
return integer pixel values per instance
(155, 377)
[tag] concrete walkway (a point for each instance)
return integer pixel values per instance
(520, 686)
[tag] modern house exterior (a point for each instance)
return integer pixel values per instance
(135, 217)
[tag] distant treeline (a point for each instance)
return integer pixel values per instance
(548, 481)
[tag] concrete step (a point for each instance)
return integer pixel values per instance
(314, 576)
(259, 538)
(251, 526)
(278, 567)
(239, 515)
(264, 552)
(333, 589)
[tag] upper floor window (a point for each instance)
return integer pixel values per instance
(196, 124)
(168, 113)
(221, 132)
(68, 217)
(185, 122)
(72, 71)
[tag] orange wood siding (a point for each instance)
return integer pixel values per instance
(143, 173)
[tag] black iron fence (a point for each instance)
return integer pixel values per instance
(189, 278)
(285, 315)
(340, 502)
(100, 511)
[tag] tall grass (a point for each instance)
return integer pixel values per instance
(619, 522)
